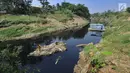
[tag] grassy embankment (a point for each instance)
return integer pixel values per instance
(112, 54)
(22, 26)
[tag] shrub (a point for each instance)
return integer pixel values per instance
(128, 9)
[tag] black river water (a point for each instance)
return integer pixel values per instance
(68, 58)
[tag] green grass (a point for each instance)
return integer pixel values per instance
(61, 16)
(22, 30)
(115, 41)
(90, 48)
(24, 26)
(18, 17)
(40, 29)
(14, 31)
(8, 20)
(117, 35)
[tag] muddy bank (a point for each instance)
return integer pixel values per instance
(83, 64)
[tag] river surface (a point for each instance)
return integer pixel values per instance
(68, 58)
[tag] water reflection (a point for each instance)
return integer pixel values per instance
(76, 34)
(81, 33)
(69, 58)
(45, 40)
(96, 33)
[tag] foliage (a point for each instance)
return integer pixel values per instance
(9, 60)
(106, 53)
(90, 48)
(82, 11)
(107, 17)
(78, 9)
(97, 57)
(128, 9)
(40, 29)
(7, 20)
(16, 6)
(36, 10)
(116, 38)
(62, 16)
(14, 31)
(46, 8)
(24, 7)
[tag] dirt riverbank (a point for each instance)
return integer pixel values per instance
(36, 30)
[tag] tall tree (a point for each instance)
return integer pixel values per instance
(128, 9)
(58, 6)
(45, 5)
(81, 10)
(17, 6)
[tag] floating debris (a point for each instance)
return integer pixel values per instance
(57, 60)
(81, 45)
(49, 49)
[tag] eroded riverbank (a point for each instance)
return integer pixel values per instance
(21, 31)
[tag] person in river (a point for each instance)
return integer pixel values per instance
(38, 48)
(101, 27)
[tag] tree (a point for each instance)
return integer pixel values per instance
(6, 5)
(69, 6)
(9, 60)
(22, 6)
(45, 5)
(128, 9)
(58, 6)
(16, 6)
(36, 10)
(81, 10)
(78, 9)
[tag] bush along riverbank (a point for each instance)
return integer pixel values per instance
(112, 54)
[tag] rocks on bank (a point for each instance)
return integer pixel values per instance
(49, 49)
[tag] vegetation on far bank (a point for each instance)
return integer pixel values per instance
(23, 19)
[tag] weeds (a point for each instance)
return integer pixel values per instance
(115, 41)
(14, 31)
(62, 16)
(8, 20)
(97, 57)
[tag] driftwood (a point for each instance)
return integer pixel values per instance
(49, 49)
(81, 45)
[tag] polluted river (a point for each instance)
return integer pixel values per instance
(60, 62)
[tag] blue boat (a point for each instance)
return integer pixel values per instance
(96, 27)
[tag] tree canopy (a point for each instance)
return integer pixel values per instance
(79, 9)
(16, 6)
(24, 7)
(128, 9)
